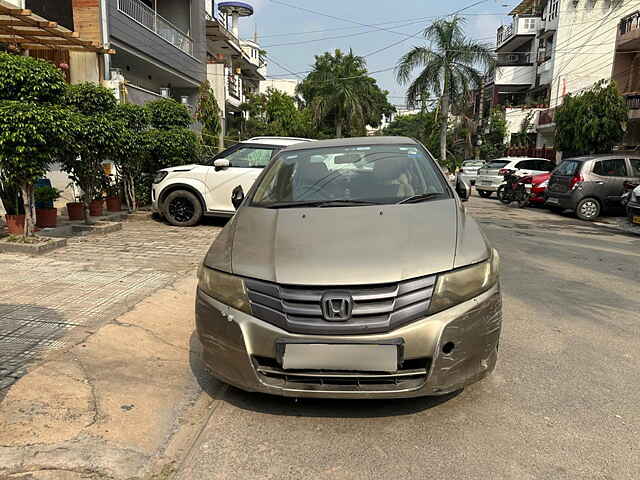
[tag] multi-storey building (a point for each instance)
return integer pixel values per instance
(550, 49)
(235, 67)
(626, 72)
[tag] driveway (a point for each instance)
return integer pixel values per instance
(562, 403)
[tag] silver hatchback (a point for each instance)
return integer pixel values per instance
(351, 269)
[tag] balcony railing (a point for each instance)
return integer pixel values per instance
(630, 22)
(162, 27)
(514, 59)
(504, 33)
(547, 117)
(633, 101)
(233, 86)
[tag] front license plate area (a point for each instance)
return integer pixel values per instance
(354, 357)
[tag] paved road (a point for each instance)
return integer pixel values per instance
(562, 404)
(90, 281)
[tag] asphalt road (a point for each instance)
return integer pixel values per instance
(563, 402)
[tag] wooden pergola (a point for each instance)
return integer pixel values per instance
(26, 30)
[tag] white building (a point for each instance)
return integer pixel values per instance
(550, 49)
(284, 85)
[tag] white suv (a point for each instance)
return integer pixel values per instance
(491, 174)
(184, 194)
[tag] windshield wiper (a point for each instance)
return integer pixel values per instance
(421, 197)
(320, 203)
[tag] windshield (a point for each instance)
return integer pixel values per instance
(496, 164)
(347, 175)
(568, 168)
(472, 164)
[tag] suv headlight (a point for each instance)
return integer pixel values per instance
(224, 287)
(465, 283)
(160, 176)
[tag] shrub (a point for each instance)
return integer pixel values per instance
(30, 79)
(167, 113)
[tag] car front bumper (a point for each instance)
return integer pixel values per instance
(236, 346)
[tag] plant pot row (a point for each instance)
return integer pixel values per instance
(47, 217)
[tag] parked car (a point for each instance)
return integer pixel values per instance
(591, 184)
(469, 170)
(633, 206)
(184, 194)
(491, 175)
(321, 285)
(539, 184)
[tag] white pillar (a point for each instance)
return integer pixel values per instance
(234, 25)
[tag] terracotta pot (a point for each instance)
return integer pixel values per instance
(114, 204)
(15, 224)
(74, 210)
(46, 217)
(96, 207)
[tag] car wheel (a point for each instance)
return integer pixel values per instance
(588, 209)
(484, 193)
(182, 208)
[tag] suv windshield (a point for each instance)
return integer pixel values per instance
(350, 175)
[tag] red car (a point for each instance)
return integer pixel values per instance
(539, 185)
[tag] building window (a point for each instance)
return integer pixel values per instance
(529, 23)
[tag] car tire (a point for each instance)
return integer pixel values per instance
(182, 208)
(484, 193)
(588, 209)
(501, 196)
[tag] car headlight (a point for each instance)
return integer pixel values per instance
(465, 283)
(160, 176)
(224, 287)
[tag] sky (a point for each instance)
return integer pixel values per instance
(289, 34)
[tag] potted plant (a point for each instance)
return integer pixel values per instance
(14, 206)
(75, 210)
(96, 206)
(46, 216)
(114, 203)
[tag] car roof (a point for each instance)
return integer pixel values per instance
(597, 156)
(280, 141)
(354, 141)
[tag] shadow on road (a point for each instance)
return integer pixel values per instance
(307, 407)
(207, 220)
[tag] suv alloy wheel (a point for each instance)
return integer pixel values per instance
(588, 209)
(182, 208)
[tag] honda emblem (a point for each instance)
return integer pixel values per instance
(337, 307)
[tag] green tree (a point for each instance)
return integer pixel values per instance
(166, 113)
(90, 98)
(422, 126)
(32, 136)
(33, 129)
(493, 145)
(448, 69)
(275, 113)
(209, 114)
(133, 152)
(30, 79)
(592, 121)
(340, 94)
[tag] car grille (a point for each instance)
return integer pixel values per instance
(412, 376)
(376, 308)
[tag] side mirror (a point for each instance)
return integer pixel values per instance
(221, 163)
(237, 196)
(463, 189)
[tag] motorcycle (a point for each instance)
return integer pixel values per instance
(515, 189)
(628, 188)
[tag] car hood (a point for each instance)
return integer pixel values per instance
(348, 245)
(181, 168)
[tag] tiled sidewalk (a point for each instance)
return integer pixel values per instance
(90, 281)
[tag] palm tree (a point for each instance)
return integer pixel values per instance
(449, 69)
(338, 88)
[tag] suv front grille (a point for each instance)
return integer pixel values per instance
(376, 308)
